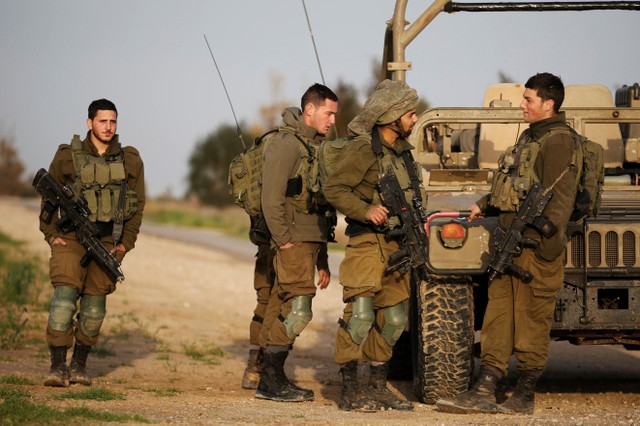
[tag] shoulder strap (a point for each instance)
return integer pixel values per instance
(260, 139)
(411, 171)
(76, 150)
(310, 150)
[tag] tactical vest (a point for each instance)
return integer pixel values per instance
(102, 182)
(516, 174)
(304, 188)
(391, 162)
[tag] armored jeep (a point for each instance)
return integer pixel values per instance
(459, 147)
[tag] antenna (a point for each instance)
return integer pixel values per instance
(313, 40)
(227, 93)
(315, 49)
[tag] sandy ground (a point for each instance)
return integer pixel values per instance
(179, 297)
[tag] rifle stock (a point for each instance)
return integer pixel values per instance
(75, 218)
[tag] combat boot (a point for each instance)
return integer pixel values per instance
(58, 373)
(481, 398)
(78, 365)
(522, 400)
(379, 391)
(353, 397)
(274, 384)
(251, 375)
(307, 393)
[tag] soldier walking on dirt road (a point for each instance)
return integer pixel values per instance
(99, 170)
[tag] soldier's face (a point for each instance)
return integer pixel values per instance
(408, 120)
(321, 117)
(534, 108)
(103, 126)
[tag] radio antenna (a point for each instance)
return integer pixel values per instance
(313, 40)
(226, 93)
(315, 49)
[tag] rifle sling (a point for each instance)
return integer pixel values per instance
(118, 217)
(407, 157)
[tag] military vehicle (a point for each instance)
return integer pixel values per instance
(458, 147)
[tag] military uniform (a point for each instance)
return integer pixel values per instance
(289, 223)
(291, 216)
(351, 190)
(99, 180)
(374, 316)
(519, 315)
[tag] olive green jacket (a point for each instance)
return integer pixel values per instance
(555, 156)
(63, 171)
(352, 186)
(281, 163)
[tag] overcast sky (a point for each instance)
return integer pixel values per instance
(150, 58)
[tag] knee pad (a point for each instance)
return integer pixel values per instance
(395, 320)
(63, 307)
(299, 316)
(361, 319)
(92, 313)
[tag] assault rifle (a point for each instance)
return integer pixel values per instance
(411, 235)
(75, 218)
(510, 243)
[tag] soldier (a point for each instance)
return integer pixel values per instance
(519, 315)
(374, 315)
(98, 169)
(298, 233)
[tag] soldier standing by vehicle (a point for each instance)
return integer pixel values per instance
(298, 233)
(519, 314)
(374, 316)
(99, 170)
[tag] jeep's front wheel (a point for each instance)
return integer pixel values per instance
(445, 338)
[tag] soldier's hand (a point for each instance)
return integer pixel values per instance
(286, 246)
(377, 214)
(58, 241)
(475, 212)
(119, 251)
(324, 277)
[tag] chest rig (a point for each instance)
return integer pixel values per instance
(304, 188)
(407, 171)
(102, 183)
(516, 175)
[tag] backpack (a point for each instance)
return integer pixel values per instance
(590, 176)
(245, 176)
(329, 155)
(591, 181)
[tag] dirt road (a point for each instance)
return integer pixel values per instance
(180, 302)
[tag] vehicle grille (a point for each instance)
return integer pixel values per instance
(607, 247)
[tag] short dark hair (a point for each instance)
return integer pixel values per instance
(547, 86)
(101, 104)
(317, 94)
